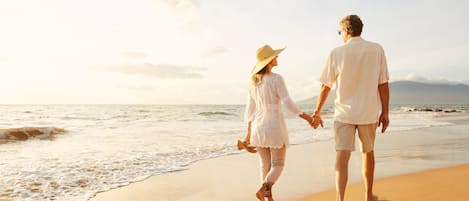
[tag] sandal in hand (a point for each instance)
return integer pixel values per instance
(245, 145)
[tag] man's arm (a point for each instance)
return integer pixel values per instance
(319, 104)
(384, 96)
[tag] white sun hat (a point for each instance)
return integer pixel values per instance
(265, 54)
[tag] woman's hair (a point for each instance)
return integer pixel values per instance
(257, 78)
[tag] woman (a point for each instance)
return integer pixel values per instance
(267, 130)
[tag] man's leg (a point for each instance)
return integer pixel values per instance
(344, 145)
(341, 173)
(367, 134)
(368, 173)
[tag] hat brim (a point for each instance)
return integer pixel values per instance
(261, 64)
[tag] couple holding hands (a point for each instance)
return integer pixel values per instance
(359, 69)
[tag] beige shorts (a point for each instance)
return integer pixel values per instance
(345, 136)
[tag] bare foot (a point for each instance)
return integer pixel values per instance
(270, 198)
(268, 192)
(260, 193)
(269, 195)
(373, 198)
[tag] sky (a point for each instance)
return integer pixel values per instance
(201, 51)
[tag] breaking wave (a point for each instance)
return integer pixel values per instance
(25, 133)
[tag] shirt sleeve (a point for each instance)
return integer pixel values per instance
(383, 69)
(329, 73)
(250, 108)
(287, 102)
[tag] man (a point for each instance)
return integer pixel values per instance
(360, 72)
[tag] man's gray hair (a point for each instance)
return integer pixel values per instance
(352, 24)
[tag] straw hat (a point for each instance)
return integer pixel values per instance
(265, 54)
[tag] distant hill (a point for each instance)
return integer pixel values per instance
(312, 100)
(409, 92)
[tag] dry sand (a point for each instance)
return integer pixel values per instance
(432, 185)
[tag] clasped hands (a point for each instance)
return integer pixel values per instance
(314, 120)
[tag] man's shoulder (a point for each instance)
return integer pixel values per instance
(373, 44)
(338, 49)
(351, 46)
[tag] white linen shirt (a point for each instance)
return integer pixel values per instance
(357, 67)
(264, 110)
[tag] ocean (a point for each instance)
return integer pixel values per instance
(108, 146)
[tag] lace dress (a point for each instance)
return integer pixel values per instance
(264, 110)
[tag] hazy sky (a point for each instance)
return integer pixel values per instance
(201, 51)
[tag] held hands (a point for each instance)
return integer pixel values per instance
(317, 120)
(313, 120)
(306, 117)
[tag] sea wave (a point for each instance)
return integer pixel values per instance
(451, 109)
(433, 110)
(25, 133)
(215, 113)
(104, 149)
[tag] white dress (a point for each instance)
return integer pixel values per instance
(264, 110)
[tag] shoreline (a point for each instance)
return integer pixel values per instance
(309, 167)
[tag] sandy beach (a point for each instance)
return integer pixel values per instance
(430, 185)
(403, 159)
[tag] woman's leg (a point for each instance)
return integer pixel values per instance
(265, 162)
(278, 162)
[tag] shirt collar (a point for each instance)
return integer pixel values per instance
(357, 38)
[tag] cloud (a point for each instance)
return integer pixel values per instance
(187, 12)
(5, 59)
(182, 4)
(164, 71)
(133, 55)
(216, 51)
(137, 87)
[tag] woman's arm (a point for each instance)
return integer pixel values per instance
(248, 134)
(250, 108)
(288, 102)
(306, 117)
(285, 97)
(249, 116)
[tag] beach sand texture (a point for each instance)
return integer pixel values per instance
(430, 185)
(310, 169)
